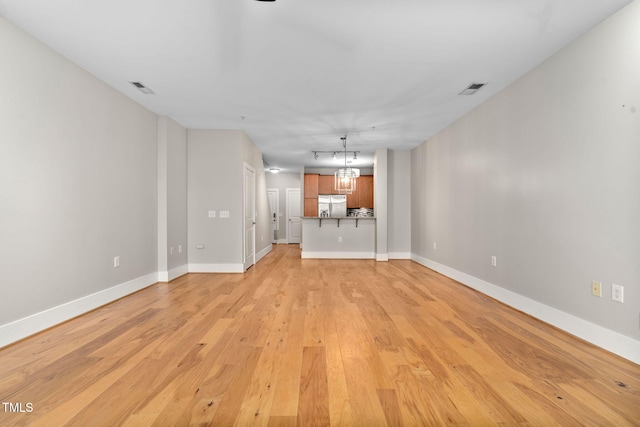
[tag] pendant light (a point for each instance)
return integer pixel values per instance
(345, 179)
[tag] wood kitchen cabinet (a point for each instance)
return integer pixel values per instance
(365, 191)
(325, 184)
(363, 196)
(353, 199)
(311, 207)
(315, 184)
(311, 186)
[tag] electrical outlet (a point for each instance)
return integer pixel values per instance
(596, 289)
(494, 261)
(116, 261)
(617, 293)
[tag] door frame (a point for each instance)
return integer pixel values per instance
(288, 202)
(277, 193)
(245, 265)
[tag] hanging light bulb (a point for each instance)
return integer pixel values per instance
(345, 179)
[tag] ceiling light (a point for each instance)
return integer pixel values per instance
(355, 155)
(315, 155)
(142, 88)
(345, 179)
(274, 170)
(472, 88)
(333, 156)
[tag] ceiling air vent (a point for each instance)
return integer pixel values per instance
(472, 88)
(142, 88)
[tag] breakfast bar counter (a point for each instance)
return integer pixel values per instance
(343, 237)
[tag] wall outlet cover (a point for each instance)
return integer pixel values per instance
(617, 293)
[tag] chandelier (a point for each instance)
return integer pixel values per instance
(345, 179)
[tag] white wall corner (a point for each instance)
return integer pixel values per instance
(27, 326)
(174, 273)
(399, 255)
(261, 254)
(607, 339)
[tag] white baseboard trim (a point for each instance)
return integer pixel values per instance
(382, 257)
(607, 339)
(216, 268)
(263, 252)
(399, 255)
(338, 255)
(30, 325)
(174, 273)
(283, 241)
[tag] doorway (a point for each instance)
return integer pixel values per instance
(273, 195)
(294, 224)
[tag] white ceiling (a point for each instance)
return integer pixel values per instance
(296, 75)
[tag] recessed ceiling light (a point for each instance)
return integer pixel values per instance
(472, 88)
(142, 88)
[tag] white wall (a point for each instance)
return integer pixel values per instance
(545, 177)
(253, 157)
(399, 203)
(172, 199)
(215, 182)
(77, 187)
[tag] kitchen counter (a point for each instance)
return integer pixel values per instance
(344, 237)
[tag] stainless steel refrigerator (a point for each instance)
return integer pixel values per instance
(332, 205)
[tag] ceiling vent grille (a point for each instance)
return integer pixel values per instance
(472, 88)
(142, 88)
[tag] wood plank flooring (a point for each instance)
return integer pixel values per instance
(312, 343)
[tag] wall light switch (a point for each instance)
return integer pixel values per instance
(224, 214)
(179, 249)
(116, 261)
(494, 261)
(200, 246)
(212, 214)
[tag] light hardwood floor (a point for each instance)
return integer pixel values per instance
(314, 342)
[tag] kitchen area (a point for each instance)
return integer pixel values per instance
(338, 225)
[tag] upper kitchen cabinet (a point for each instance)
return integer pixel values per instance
(325, 184)
(365, 191)
(311, 186)
(363, 196)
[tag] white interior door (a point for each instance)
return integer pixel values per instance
(294, 225)
(272, 194)
(249, 216)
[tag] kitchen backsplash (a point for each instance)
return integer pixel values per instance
(361, 212)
